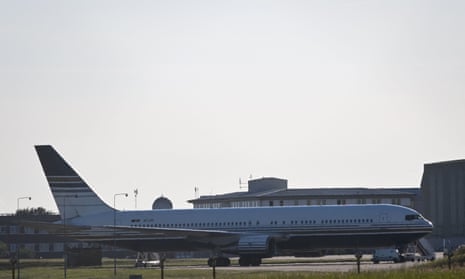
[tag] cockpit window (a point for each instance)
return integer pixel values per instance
(411, 217)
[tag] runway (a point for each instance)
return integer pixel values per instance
(323, 267)
(343, 263)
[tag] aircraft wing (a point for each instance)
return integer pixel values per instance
(134, 237)
(126, 233)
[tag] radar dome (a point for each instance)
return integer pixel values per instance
(162, 203)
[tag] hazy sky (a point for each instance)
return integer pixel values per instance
(165, 96)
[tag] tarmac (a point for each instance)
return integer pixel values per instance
(342, 263)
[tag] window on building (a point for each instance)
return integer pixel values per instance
(396, 201)
(271, 203)
(321, 202)
(281, 203)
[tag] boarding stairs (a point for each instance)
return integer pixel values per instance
(425, 250)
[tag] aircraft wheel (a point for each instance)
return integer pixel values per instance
(250, 261)
(221, 261)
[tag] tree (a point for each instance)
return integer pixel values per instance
(33, 212)
(3, 250)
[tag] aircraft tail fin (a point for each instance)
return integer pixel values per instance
(74, 198)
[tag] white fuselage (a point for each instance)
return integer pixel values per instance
(310, 226)
(261, 218)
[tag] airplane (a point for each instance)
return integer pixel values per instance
(250, 233)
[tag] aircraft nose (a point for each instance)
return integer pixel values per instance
(429, 224)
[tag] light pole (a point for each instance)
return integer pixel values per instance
(114, 230)
(65, 253)
(17, 244)
(17, 202)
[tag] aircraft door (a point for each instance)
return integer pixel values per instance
(384, 218)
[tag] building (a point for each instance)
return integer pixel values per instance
(38, 242)
(443, 190)
(270, 191)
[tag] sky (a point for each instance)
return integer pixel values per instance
(166, 96)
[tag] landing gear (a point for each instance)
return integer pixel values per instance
(250, 261)
(220, 261)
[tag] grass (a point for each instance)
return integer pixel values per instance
(48, 269)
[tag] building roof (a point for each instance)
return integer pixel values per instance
(312, 192)
(276, 188)
(460, 162)
(12, 218)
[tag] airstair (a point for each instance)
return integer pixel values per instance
(425, 250)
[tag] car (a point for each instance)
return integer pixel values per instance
(147, 260)
(388, 254)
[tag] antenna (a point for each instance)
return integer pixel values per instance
(244, 184)
(136, 192)
(196, 192)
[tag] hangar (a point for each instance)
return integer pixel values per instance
(443, 191)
